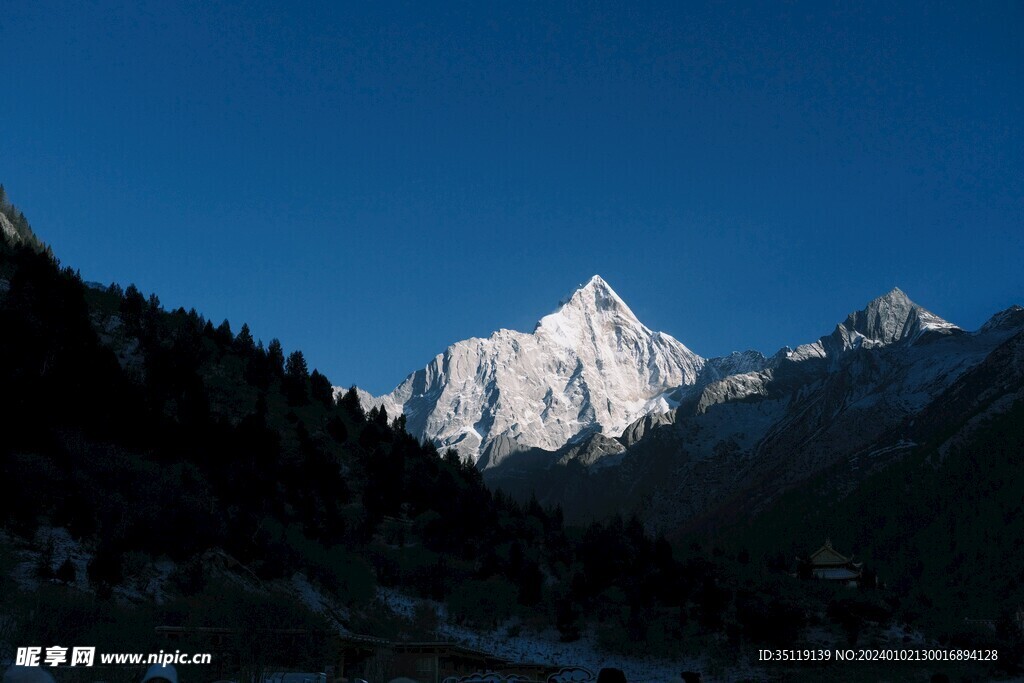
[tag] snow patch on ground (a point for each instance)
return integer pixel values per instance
(545, 647)
(316, 600)
(61, 546)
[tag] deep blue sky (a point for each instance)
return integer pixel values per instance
(373, 183)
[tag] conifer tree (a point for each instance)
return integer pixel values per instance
(295, 376)
(349, 401)
(320, 388)
(296, 366)
(224, 336)
(132, 306)
(244, 340)
(275, 355)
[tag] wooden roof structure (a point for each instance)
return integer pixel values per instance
(828, 563)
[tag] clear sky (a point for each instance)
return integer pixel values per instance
(370, 182)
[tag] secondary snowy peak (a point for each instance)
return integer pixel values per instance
(889, 319)
(589, 367)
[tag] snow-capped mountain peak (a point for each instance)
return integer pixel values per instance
(597, 295)
(591, 307)
(589, 367)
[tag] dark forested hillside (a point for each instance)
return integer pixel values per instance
(155, 431)
(942, 523)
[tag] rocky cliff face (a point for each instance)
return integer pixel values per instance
(889, 319)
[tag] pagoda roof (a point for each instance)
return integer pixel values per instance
(826, 555)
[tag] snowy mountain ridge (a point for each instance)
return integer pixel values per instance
(591, 367)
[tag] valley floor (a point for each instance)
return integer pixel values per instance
(506, 641)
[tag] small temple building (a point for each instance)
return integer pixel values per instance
(829, 564)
